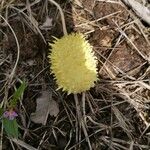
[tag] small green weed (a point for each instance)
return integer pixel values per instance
(9, 116)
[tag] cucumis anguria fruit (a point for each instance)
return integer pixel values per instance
(73, 63)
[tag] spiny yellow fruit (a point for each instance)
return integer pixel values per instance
(73, 63)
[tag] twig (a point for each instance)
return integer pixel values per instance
(23, 144)
(70, 136)
(18, 50)
(1, 139)
(33, 22)
(124, 34)
(62, 16)
(139, 9)
(4, 102)
(81, 120)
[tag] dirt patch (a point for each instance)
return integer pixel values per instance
(101, 10)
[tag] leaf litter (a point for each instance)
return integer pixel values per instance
(45, 106)
(118, 102)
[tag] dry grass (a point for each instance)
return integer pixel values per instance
(115, 113)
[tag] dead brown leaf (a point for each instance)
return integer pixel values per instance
(45, 106)
(47, 25)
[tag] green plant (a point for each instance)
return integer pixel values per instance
(9, 116)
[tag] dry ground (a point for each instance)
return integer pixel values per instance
(116, 112)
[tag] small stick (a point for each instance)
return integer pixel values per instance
(23, 144)
(81, 121)
(8, 82)
(62, 16)
(18, 51)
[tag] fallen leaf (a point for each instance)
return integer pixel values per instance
(53, 109)
(47, 24)
(45, 106)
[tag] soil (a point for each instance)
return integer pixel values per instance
(117, 108)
